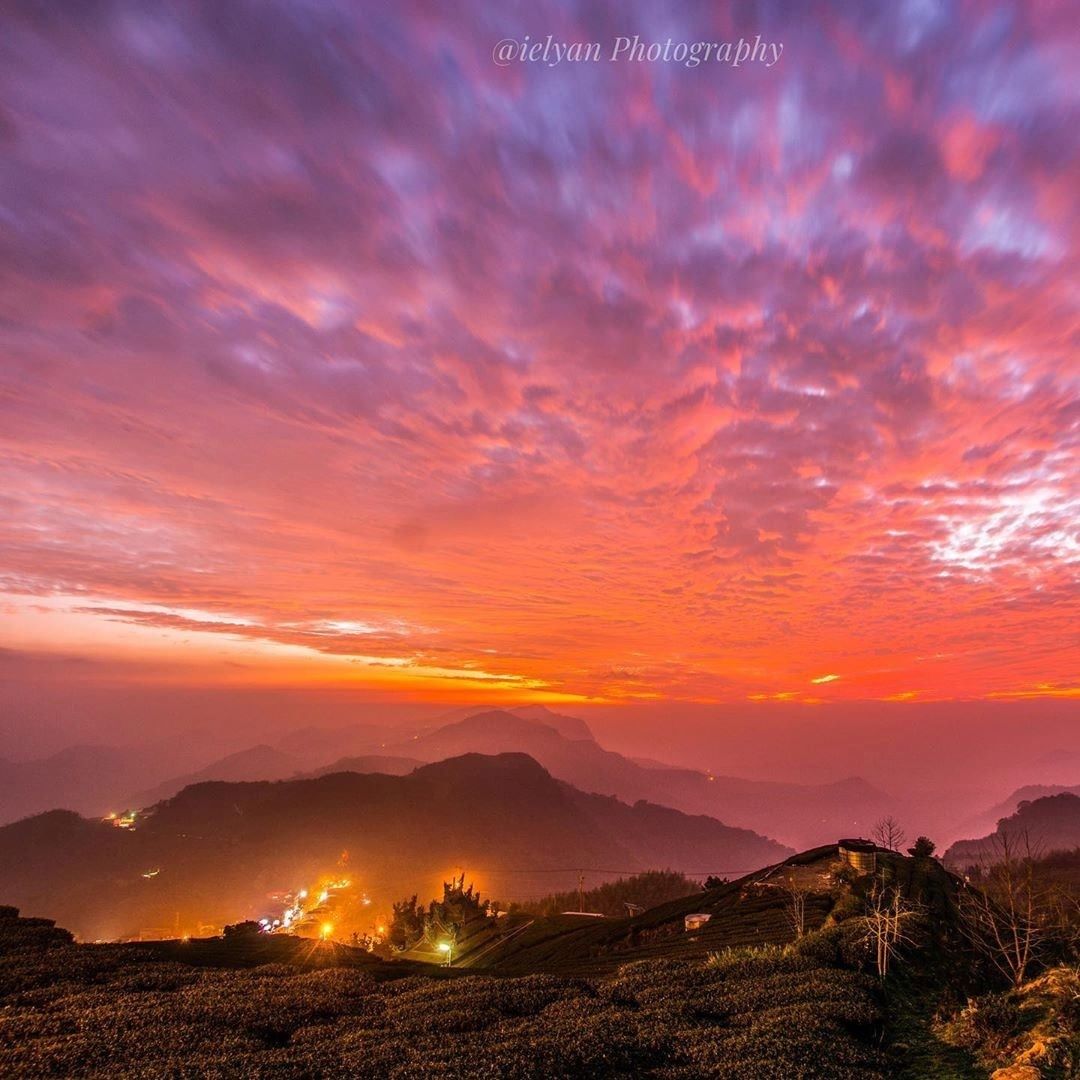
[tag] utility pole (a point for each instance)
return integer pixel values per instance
(580, 893)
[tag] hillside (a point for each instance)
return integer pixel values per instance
(216, 851)
(798, 814)
(118, 1010)
(1029, 793)
(740, 998)
(986, 821)
(751, 911)
(269, 763)
(1051, 823)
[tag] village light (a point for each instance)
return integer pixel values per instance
(448, 948)
(327, 930)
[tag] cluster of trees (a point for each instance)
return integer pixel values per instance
(443, 921)
(242, 930)
(613, 898)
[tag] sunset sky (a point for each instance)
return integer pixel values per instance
(332, 352)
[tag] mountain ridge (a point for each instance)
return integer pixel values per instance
(217, 849)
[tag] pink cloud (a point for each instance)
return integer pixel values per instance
(627, 381)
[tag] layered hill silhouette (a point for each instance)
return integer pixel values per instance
(93, 780)
(86, 778)
(269, 763)
(257, 763)
(217, 851)
(318, 751)
(570, 727)
(1043, 825)
(987, 821)
(798, 814)
(369, 763)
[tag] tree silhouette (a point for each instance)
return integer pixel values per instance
(889, 834)
(923, 848)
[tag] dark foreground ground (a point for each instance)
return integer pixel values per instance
(560, 996)
(127, 1011)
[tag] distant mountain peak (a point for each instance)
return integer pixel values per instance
(570, 727)
(498, 767)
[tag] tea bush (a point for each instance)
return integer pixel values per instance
(71, 1010)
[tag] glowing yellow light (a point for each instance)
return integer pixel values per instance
(327, 930)
(824, 679)
(444, 946)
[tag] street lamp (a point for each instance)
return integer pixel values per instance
(448, 948)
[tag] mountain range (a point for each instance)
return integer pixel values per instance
(218, 850)
(798, 814)
(93, 780)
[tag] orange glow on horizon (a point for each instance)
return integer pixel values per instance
(252, 655)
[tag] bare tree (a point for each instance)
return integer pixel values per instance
(795, 906)
(1004, 917)
(888, 833)
(888, 918)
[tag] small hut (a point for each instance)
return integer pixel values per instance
(859, 854)
(696, 921)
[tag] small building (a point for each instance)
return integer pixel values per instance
(859, 854)
(696, 921)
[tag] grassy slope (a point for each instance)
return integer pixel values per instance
(917, 1050)
(926, 983)
(742, 915)
(745, 916)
